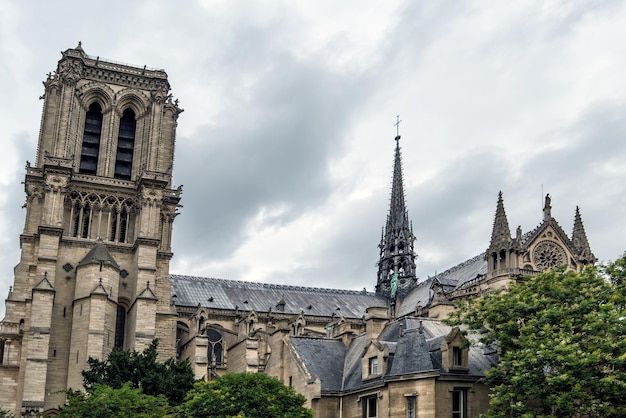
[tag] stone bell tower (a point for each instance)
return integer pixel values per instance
(96, 244)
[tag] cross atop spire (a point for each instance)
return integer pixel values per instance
(397, 125)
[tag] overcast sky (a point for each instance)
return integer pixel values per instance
(285, 148)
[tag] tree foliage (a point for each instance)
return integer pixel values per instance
(142, 370)
(562, 343)
(253, 395)
(103, 401)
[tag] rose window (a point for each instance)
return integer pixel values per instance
(548, 255)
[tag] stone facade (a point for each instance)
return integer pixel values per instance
(94, 275)
(94, 267)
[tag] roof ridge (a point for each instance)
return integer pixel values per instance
(274, 285)
(461, 265)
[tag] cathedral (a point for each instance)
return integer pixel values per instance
(94, 275)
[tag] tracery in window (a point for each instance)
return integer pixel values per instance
(215, 350)
(91, 140)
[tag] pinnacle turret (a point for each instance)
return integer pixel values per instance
(580, 241)
(501, 234)
(396, 266)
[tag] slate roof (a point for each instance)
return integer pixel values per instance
(414, 347)
(323, 357)
(452, 278)
(260, 297)
(352, 373)
(463, 272)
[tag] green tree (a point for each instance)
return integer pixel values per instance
(562, 343)
(172, 379)
(253, 395)
(103, 401)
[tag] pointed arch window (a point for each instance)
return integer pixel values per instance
(215, 349)
(91, 140)
(125, 145)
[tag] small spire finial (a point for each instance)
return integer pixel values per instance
(397, 125)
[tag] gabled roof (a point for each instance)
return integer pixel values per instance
(99, 254)
(324, 358)
(261, 297)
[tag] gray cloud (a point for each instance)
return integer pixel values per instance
(288, 112)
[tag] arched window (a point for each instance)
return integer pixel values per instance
(91, 140)
(125, 145)
(215, 351)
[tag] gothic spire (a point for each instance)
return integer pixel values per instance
(396, 266)
(501, 234)
(579, 239)
(397, 212)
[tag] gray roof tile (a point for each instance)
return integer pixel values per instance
(324, 357)
(260, 297)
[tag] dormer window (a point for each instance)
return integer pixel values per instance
(454, 356)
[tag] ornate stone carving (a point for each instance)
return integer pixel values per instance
(70, 70)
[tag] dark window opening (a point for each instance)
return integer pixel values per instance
(114, 216)
(91, 140)
(459, 403)
(86, 222)
(120, 326)
(370, 407)
(457, 356)
(125, 145)
(373, 365)
(1, 351)
(215, 351)
(410, 407)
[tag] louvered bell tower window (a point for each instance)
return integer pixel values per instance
(125, 145)
(91, 140)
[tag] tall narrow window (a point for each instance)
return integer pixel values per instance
(125, 145)
(410, 406)
(457, 356)
(373, 365)
(91, 140)
(1, 351)
(86, 221)
(120, 326)
(459, 403)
